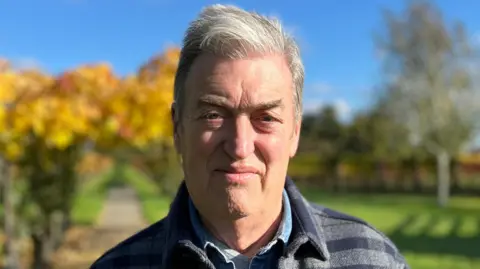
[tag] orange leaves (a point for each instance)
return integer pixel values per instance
(88, 103)
(56, 111)
(139, 111)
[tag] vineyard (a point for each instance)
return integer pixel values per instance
(53, 130)
(59, 134)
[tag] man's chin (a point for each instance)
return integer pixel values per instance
(238, 212)
(238, 205)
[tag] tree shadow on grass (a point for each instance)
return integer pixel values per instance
(449, 243)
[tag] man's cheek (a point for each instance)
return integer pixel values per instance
(273, 147)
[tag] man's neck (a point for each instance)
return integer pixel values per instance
(248, 234)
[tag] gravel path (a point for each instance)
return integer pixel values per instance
(121, 218)
(122, 210)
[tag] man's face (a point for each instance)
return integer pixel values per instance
(237, 133)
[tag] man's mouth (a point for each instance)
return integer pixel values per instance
(238, 174)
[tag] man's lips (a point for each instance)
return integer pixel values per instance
(238, 170)
(238, 174)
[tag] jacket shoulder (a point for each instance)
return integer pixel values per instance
(345, 233)
(139, 250)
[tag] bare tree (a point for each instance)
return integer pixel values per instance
(428, 81)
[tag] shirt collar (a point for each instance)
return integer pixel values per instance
(283, 233)
(180, 235)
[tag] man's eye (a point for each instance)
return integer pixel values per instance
(267, 118)
(211, 116)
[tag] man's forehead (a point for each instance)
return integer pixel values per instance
(234, 83)
(213, 69)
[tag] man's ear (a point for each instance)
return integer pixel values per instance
(175, 117)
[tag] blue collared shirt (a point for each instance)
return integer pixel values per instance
(226, 258)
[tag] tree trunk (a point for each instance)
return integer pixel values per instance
(333, 175)
(11, 254)
(443, 177)
(42, 251)
(57, 229)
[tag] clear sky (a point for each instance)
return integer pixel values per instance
(336, 36)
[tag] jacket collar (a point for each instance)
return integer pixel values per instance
(305, 227)
(306, 233)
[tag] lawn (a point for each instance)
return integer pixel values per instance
(154, 206)
(90, 198)
(428, 236)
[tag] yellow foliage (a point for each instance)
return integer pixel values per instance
(87, 103)
(138, 113)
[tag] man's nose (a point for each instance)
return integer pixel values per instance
(240, 138)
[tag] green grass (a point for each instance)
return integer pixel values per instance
(428, 236)
(90, 199)
(154, 206)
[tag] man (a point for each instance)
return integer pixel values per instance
(237, 117)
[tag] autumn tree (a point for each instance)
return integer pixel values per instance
(427, 83)
(7, 194)
(45, 122)
(140, 129)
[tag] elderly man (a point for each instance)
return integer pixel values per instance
(237, 117)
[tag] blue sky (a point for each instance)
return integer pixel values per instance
(335, 36)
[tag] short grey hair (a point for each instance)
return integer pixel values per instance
(229, 31)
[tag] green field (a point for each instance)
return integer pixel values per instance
(90, 198)
(154, 206)
(428, 236)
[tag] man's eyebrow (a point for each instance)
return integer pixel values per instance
(270, 105)
(209, 100)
